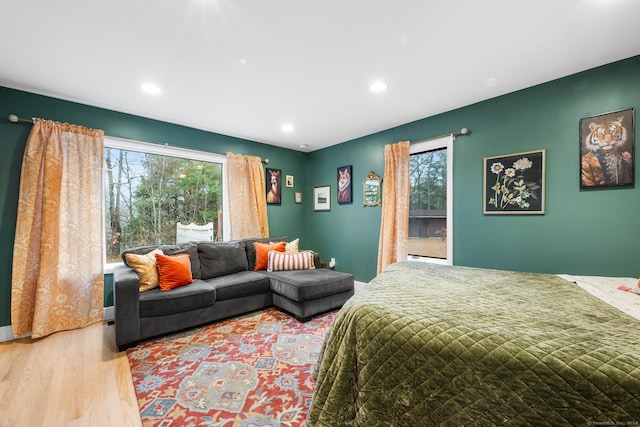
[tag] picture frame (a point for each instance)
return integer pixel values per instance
(344, 184)
(273, 183)
(289, 181)
(515, 183)
(607, 145)
(297, 197)
(322, 198)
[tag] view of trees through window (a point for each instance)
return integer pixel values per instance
(428, 204)
(146, 195)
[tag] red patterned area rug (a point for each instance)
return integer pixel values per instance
(250, 371)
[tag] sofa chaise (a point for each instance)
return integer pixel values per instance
(225, 284)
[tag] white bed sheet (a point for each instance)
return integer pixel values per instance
(606, 289)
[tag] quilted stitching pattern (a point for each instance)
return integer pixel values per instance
(441, 345)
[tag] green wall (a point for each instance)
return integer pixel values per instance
(285, 219)
(582, 232)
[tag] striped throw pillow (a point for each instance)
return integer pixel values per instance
(280, 261)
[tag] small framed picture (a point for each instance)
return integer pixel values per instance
(514, 183)
(344, 184)
(297, 197)
(607, 151)
(274, 186)
(289, 181)
(322, 198)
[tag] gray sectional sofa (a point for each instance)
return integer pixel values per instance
(226, 286)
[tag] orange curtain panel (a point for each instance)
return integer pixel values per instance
(247, 197)
(394, 227)
(58, 272)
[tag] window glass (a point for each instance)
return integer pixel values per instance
(147, 194)
(428, 204)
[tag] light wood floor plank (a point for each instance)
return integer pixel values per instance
(71, 378)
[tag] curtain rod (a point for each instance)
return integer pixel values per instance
(462, 131)
(15, 119)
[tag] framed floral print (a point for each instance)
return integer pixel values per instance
(514, 183)
(607, 150)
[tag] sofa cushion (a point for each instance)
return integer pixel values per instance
(138, 250)
(280, 261)
(262, 253)
(251, 250)
(238, 285)
(304, 285)
(292, 247)
(221, 258)
(145, 267)
(196, 295)
(174, 271)
(190, 248)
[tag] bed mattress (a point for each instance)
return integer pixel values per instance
(426, 344)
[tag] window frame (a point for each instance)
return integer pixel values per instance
(170, 151)
(422, 146)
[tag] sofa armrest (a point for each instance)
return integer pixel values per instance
(127, 305)
(316, 259)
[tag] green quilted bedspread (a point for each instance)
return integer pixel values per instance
(426, 345)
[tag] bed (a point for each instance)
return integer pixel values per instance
(427, 344)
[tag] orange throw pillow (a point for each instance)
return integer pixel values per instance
(262, 253)
(174, 271)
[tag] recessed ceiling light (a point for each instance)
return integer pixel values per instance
(491, 81)
(287, 127)
(378, 87)
(150, 88)
(303, 145)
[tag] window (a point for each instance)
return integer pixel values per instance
(149, 188)
(430, 201)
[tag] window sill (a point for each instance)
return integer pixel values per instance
(108, 268)
(427, 259)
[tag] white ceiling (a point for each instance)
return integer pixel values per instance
(245, 67)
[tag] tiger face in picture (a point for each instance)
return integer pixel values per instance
(606, 163)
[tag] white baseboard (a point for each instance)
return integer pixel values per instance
(109, 314)
(358, 285)
(6, 332)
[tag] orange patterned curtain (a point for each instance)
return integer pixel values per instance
(247, 197)
(394, 228)
(58, 273)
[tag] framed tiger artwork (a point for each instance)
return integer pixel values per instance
(607, 150)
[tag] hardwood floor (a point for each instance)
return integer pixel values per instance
(72, 378)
